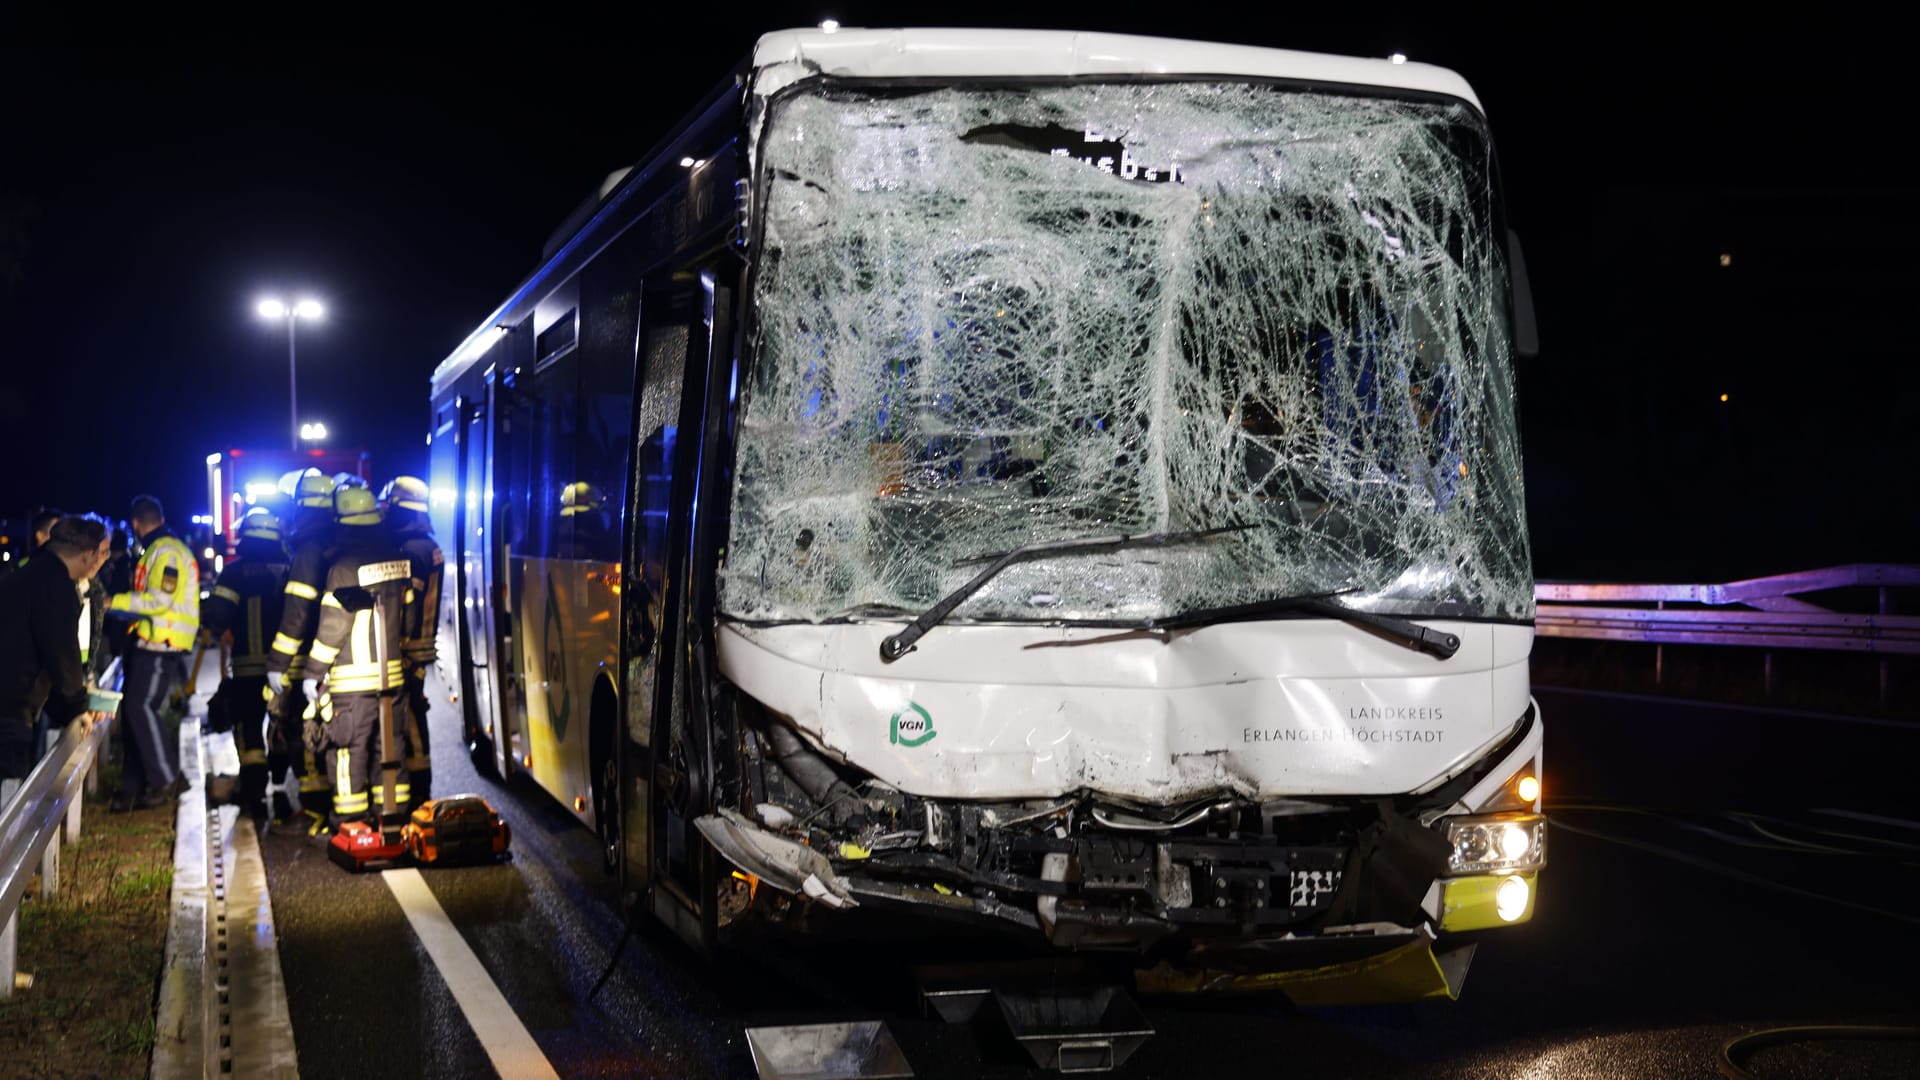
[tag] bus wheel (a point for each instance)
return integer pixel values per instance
(607, 814)
(480, 752)
(603, 753)
(479, 747)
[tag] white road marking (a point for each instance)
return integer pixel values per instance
(1898, 823)
(501, 1034)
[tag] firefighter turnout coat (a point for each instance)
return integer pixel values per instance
(347, 655)
(248, 600)
(306, 577)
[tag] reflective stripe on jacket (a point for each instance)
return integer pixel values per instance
(165, 596)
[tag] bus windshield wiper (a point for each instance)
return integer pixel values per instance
(898, 645)
(1401, 632)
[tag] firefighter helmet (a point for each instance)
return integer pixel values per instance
(355, 505)
(260, 524)
(405, 492)
(314, 488)
(579, 497)
(347, 479)
(289, 484)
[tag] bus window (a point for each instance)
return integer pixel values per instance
(609, 314)
(554, 406)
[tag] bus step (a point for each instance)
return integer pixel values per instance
(860, 1050)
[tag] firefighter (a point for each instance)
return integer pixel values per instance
(165, 605)
(247, 602)
(405, 502)
(293, 741)
(346, 654)
(585, 511)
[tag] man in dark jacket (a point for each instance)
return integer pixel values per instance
(40, 641)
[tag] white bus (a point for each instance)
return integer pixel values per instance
(1063, 482)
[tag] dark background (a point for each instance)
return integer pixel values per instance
(155, 180)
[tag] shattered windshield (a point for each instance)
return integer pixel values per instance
(991, 316)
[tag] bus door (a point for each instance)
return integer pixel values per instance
(515, 502)
(659, 804)
(473, 622)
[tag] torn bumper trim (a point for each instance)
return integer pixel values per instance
(779, 862)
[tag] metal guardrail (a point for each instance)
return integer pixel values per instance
(49, 798)
(1767, 612)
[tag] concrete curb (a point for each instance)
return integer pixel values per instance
(182, 1035)
(223, 1006)
(259, 1023)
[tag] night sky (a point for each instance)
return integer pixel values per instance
(154, 183)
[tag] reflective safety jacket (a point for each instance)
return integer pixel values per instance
(247, 599)
(166, 594)
(419, 642)
(344, 650)
(299, 616)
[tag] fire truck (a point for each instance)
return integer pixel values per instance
(238, 480)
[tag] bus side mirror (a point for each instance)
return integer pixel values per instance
(353, 598)
(1526, 332)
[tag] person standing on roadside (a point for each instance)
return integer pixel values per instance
(246, 603)
(311, 549)
(165, 603)
(38, 528)
(39, 648)
(347, 654)
(405, 503)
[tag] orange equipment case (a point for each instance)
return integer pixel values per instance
(459, 828)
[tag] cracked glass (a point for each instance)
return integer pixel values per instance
(989, 316)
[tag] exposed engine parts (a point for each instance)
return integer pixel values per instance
(1086, 872)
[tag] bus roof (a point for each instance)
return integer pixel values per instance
(915, 53)
(784, 57)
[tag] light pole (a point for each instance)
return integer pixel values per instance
(293, 313)
(315, 432)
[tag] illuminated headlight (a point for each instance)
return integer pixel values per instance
(1488, 844)
(1510, 899)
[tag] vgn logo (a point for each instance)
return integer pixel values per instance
(911, 726)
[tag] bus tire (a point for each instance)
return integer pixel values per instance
(606, 774)
(479, 747)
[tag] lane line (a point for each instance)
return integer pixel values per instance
(505, 1039)
(1898, 823)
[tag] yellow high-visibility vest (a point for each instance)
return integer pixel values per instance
(165, 596)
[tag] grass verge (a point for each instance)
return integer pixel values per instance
(94, 951)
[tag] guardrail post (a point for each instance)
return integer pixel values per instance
(10, 936)
(1767, 673)
(1659, 653)
(73, 815)
(1883, 659)
(9, 942)
(50, 869)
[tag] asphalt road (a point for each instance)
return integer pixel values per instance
(1706, 880)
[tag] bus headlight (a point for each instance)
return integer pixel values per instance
(1499, 842)
(1510, 899)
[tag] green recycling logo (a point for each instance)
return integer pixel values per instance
(911, 726)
